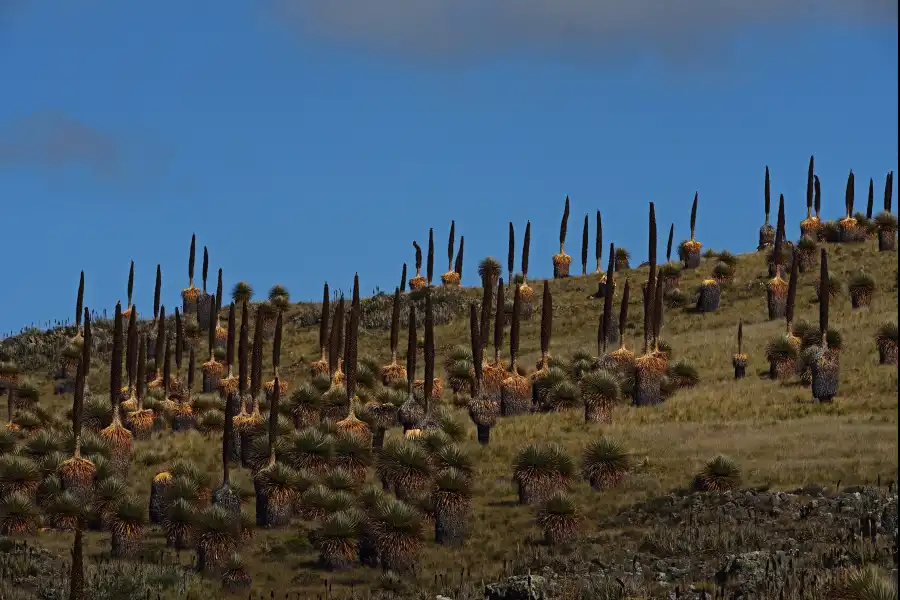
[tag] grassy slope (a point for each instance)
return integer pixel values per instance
(775, 431)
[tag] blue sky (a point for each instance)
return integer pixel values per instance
(304, 143)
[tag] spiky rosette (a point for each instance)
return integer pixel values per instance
(18, 516)
(120, 441)
(561, 263)
(710, 296)
(319, 367)
(269, 387)
(213, 368)
(766, 237)
(826, 374)
(77, 476)
(689, 253)
(393, 373)
(515, 395)
(605, 464)
(140, 422)
(182, 416)
(483, 411)
(600, 391)
(450, 278)
(229, 385)
(417, 283)
(782, 354)
(809, 227)
(411, 414)
(436, 390)
(190, 294)
(648, 372)
(886, 343)
(526, 292)
(718, 475)
(560, 519)
(493, 375)
(850, 230)
(351, 425)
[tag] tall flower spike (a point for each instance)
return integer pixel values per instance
(418, 258)
(167, 368)
(353, 341)
(273, 420)
(205, 270)
(623, 312)
(324, 322)
(141, 372)
(115, 370)
(810, 186)
(511, 251)
(870, 202)
(584, 246)
(130, 283)
(477, 348)
(546, 320)
(792, 296)
(817, 200)
(598, 242)
(79, 304)
(694, 215)
(740, 337)
(403, 278)
(824, 296)
(526, 250)
(243, 352)
(850, 193)
(669, 243)
(651, 248)
(888, 191)
(229, 341)
(276, 344)
(429, 351)
(256, 353)
(657, 316)
(211, 336)
(777, 257)
(429, 265)
(160, 340)
(131, 348)
(487, 298)
(608, 293)
(191, 259)
(450, 245)
(334, 350)
(395, 325)
(768, 195)
(458, 264)
(157, 290)
(514, 328)
(192, 365)
(179, 341)
(88, 342)
(411, 341)
(219, 294)
(564, 227)
(499, 317)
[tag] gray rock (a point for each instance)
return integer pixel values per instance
(520, 587)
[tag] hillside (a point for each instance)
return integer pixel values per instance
(773, 430)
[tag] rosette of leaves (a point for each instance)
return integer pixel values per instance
(605, 464)
(561, 260)
(766, 232)
(217, 533)
(689, 250)
(886, 343)
(861, 288)
(560, 520)
(127, 526)
(515, 390)
(405, 467)
(600, 391)
(397, 528)
(723, 273)
(849, 227)
(190, 294)
(782, 354)
(337, 539)
(18, 515)
(540, 470)
(235, 577)
(885, 222)
(451, 501)
(721, 474)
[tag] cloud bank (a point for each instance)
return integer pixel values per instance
(53, 141)
(451, 30)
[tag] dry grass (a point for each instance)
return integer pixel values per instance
(778, 435)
